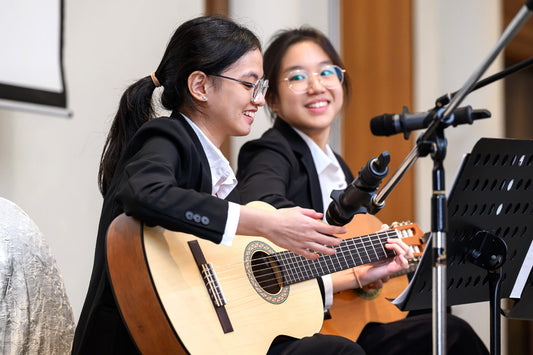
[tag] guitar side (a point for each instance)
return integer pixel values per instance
(131, 282)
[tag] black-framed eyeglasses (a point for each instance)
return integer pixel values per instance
(259, 87)
(330, 76)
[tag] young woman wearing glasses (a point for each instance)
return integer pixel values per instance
(293, 165)
(169, 171)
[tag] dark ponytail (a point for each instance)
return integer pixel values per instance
(134, 109)
(208, 44)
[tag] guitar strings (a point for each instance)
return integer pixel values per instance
(301, 265)
(295, 261)
(272, 270)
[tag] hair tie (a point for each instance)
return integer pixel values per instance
(154, 80)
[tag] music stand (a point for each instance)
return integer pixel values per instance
(492, 195)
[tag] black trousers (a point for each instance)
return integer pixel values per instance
(412, 335)
(318, 344)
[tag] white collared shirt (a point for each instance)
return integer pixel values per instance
(330, 174)
(331, 177)
(223, 181)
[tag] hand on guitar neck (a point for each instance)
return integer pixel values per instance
(373, 275)
(353, 308)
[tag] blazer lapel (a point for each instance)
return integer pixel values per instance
(206, 185)
(302, 152)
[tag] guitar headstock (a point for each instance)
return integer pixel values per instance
(412, 235)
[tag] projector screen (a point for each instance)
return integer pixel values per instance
(31, 64)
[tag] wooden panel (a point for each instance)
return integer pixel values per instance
(217, 7)
(521, 46)
(518, 109)
(376, 48)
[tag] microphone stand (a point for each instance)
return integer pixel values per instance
(433, 142)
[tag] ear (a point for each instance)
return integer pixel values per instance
(196, 83)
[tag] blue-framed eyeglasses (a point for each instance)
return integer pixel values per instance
(330, 76)
(259, 87)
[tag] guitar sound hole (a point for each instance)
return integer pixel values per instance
(267, 272)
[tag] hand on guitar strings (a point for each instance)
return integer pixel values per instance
(297, 229)
(373, 275)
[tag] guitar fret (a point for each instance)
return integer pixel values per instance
(364, 244)
(324, 261)
(344, 262)
(359, 260)
(376, 253)
(296, 267)
(309, 274)
(335, 261)
(285, 269)
(351, 261)
(316, 272)
(299, 270)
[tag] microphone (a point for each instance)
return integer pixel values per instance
(356, 197)
(389, 124)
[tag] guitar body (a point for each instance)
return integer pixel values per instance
(167, 308)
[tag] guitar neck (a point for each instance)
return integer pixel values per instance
(350, 253)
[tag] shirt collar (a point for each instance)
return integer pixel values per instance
(223, 178)
(321, 159)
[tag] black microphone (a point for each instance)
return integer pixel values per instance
(389, 124)
(356, 197)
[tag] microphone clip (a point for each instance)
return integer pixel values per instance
(358, 196)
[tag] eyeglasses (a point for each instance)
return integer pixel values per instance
(259, 87)
(330, 76)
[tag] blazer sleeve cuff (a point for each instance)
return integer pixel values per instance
(234, 212)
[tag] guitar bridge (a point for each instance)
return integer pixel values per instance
(213, 286)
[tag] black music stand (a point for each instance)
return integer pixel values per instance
(490, 205)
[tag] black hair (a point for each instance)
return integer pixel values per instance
(209, 44)
(278, 47)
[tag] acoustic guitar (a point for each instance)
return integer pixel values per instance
(181, 294)
(353, 309)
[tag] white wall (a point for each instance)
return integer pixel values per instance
(452, 38)
(48, 165)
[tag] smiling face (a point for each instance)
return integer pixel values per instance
(312, 111)
(229, 109)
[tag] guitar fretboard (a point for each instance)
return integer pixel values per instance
(350, 253)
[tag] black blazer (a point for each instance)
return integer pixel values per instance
(278, 168)
(163, 179)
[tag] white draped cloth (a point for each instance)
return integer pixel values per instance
(35, 313)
